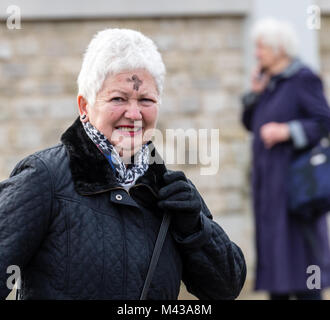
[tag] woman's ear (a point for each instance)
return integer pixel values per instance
(82, 105)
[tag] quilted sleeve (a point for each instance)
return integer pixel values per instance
(213, 266)
(25, 206)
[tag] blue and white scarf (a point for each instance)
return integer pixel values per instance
(126, 176)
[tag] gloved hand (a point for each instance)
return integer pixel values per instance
(180, 199)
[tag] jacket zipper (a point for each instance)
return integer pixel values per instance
(124, 230)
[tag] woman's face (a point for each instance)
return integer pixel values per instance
(266, 55)
(125, 110)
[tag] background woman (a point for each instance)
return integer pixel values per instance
(284, 110)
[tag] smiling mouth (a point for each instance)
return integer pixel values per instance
(131, 130)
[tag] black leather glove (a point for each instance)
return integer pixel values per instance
(181, 199)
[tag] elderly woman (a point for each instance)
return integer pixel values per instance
(285, 111)
(80, 219)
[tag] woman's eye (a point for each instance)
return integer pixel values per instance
(147, 101)
(117, 99)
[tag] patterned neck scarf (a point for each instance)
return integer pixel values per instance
(126, 176)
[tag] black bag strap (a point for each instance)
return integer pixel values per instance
(155, 254)
(310, 239)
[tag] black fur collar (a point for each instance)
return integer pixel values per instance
(91, 171)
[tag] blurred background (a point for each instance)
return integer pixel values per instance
(208, 54)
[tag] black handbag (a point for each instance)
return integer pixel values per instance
(309, 182)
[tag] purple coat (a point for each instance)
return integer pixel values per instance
(295, 97)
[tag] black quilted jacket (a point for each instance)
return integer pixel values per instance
(76, 234)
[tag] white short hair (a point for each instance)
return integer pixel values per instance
(277, 34)
(114, 50)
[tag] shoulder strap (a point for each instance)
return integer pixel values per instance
(310, 239)
(155, 254)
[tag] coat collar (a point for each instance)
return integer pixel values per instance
(291, 69)
(294, 67)
(91, 172)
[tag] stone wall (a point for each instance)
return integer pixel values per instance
(39, 65)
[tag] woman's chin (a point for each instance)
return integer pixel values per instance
(127, 149)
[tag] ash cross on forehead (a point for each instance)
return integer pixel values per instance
(136, 80)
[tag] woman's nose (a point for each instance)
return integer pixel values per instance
(133, 111)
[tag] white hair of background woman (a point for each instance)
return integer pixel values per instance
(277, 34)
(114, 50)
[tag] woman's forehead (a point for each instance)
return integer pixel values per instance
(129, 74)
(138, 80)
